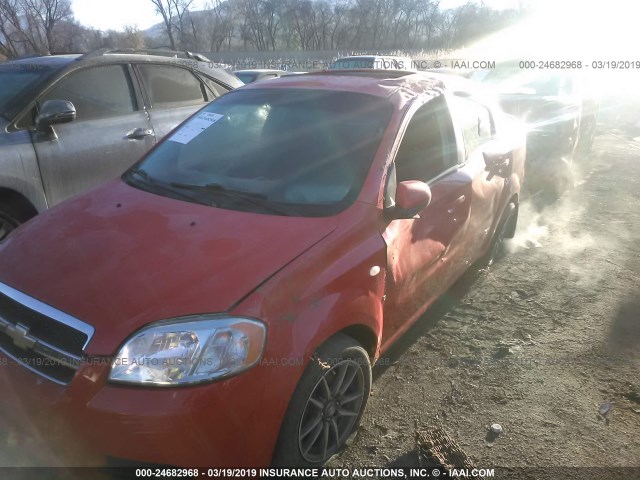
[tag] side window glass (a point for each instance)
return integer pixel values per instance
(96, 92)
(170, 87)
(477, 125)
(428, 146)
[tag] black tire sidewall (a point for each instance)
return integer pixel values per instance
(496, 246)
(338, 348)
(13, 214)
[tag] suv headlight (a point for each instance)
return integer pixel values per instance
(189, 350)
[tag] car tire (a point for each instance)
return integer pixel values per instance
(506, 229)
(13, 214)
(326, 406)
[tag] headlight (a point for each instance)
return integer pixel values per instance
(189, 350)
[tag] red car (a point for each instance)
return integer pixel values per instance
(222, 303)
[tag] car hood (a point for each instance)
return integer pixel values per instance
(539, 110)
(119, 258)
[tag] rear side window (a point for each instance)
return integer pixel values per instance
(476, 123)
(96, 92)
(169, 86)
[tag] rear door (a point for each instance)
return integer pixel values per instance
(173, 94)
(486, 194)
(423, 252)
(110, 133)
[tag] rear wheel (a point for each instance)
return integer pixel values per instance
(327, 405)
(587, 134)
(506, 229)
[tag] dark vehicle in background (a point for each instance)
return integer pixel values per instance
(560, 112)
(256, 75)
(68, 122)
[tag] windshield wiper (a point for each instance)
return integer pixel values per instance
(151, 184)
(259, 200)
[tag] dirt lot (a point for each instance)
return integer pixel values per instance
(538, 343)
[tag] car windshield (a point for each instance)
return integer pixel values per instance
(246, 77)
(17, 80)
(290, 152)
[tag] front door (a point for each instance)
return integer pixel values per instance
(488, 190)
(421, 252)
(109, 134)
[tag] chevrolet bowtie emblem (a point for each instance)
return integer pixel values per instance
(20, 336)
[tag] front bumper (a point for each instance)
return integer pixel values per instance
(91, 422)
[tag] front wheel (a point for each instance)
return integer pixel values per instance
(327, 405)
(12, 215)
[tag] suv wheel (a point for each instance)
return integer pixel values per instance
(327, 405)
(12, 215)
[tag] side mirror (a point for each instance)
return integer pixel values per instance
(54, 112)
(497, 163)
(412, 196)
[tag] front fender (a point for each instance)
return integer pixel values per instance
(333, 287)
(19, 170)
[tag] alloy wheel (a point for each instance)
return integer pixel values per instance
(332, 411)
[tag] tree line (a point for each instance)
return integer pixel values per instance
(48, 26)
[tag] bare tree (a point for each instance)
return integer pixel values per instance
(29, 26)
(41, 26)
(44, 16)
(180, 25)
(166, 9)
(219, 23)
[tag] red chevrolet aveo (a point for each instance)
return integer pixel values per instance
(222, 302)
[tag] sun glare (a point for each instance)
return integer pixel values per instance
(599, 40)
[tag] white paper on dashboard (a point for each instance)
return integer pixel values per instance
(195, 127)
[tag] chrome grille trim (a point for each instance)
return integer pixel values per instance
(43, 348)
(48, 311)
(32, 369)
(50, 343)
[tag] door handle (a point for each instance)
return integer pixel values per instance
(453, 208)
(139, 133)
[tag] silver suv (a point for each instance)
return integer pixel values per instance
(69, 122)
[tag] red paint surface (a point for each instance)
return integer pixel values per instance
(119, 258)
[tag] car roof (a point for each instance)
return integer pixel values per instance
(260, 70)
(380, 83)
(187, 59)
(371, 57)
(48, 60)
(399, 86)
